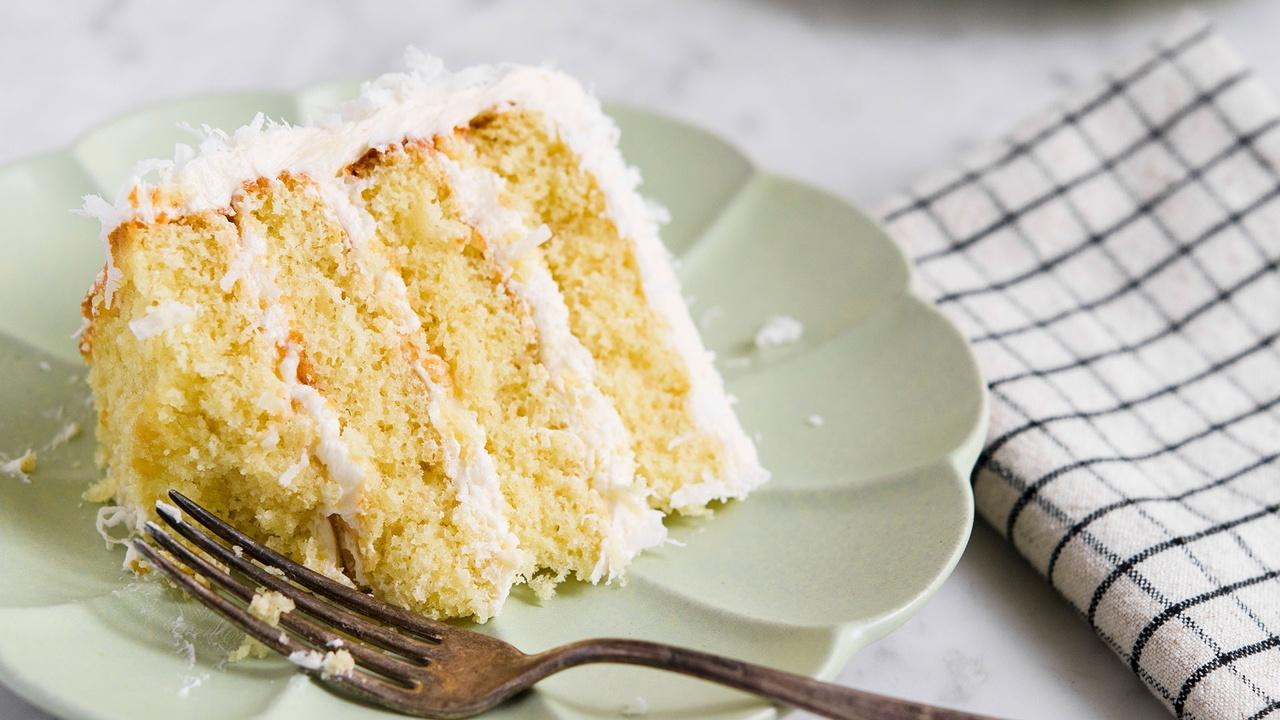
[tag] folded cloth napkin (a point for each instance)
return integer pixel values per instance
(1114, 264)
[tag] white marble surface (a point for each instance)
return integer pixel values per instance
(859, 97)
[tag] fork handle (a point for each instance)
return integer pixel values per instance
(827, 699)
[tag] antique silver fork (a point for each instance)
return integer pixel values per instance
(413, 665)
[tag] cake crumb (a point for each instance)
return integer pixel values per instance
(237, 550)
(248, 648)
(269, 605)
(273, 570)
(778, 330)
(335, 643)
(636, 707)
(337, 663)
(543, 586)
(816, 420)
(21, 466)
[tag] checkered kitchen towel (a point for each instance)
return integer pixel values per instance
(1114, 264)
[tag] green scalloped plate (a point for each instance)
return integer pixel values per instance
(865, 516)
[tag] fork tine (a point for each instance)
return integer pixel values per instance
(429, 630)
(317, 635)
(360, 684)
(349, 623)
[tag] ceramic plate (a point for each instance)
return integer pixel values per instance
(865, 516)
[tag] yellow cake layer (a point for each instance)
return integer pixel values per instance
(361, 358)
(179, 409)
(597, 273)
(483, 330)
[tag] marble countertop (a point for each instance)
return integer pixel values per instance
(858, 97)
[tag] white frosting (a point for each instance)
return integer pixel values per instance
(330, 449)
(778, 330)
(632, 526)
(710, 406)
(161, 318)
(481, 506)
(482, 509)
(250, 268)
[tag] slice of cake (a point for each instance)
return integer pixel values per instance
(431, 346)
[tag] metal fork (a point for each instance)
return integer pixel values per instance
(413, 665)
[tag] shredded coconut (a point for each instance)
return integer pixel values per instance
(637, 706)
(20, 466)
(291, 472)
(269, 605)
(679, 440)
(307, 659)
(168, 511)
(519, 248)
(778, 330)
(161, 318)
(335, 663)
(270, 438)
(64, 436)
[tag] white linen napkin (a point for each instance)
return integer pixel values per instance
(1114, 264)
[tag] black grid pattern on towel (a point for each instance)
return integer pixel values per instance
(1115, 265)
